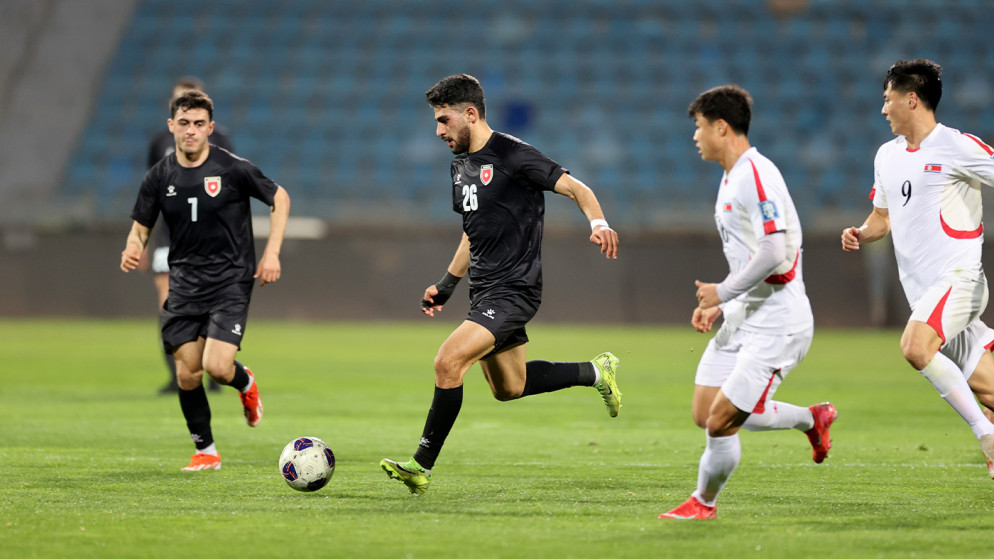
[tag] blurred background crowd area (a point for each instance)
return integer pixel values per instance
(327, 97)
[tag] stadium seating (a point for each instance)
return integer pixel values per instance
(328, 97)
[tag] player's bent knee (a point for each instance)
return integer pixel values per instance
(220, 371)
(721, 426)
(189, 380)
(917, 355)
(505, 395)
(700, 416)
(448, 370)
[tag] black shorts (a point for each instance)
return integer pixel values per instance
(504, 315)
(222, 317)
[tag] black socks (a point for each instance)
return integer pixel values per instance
(241, 379)
(442, 415)
(544, 376)
(197, 412)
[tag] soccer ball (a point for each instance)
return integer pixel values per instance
(307, 464)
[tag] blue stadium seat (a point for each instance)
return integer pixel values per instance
(329, 96)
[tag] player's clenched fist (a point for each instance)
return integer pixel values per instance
(850, 238)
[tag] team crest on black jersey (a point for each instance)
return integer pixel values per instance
(486, 174)
(212, 185)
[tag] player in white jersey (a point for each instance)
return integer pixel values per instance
(768, 325)
(926, 194)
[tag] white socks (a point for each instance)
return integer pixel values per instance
(948, 379)
(212, 450)
(780, 415)
(721, 457)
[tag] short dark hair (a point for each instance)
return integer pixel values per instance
(731, 103)
(456, 90)
(192, 99)
(921, 77)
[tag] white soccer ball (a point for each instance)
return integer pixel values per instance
(307, 464)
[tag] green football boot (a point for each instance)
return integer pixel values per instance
(608, 386)
(411, 473)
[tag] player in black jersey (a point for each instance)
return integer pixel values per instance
(203, 194)
(498, 186)
(162, 145)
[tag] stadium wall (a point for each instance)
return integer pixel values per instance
(377, 274)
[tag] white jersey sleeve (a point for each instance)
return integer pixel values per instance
(878, 195)
(975, 161)
(933, 198)
(753, 202)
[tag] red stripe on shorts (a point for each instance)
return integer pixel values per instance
(935, 319)
(761, 406)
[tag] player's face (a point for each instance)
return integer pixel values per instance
(452, 128)
(897, 110)
(706, 138)
(191, 128)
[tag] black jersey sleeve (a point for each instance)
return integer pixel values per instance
(532, 166)
(146, 210)
(256, 184)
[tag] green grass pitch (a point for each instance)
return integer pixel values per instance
(91, 456)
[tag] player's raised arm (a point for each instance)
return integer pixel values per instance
(438, 294)
(134, 246)
(876, 226)
(269, 269)
(601, 234)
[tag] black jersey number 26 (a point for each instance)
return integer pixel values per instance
(469, 201)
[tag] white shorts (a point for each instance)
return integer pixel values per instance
(160, 260)
(967, 348)
(749, 366)
(951, 304)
